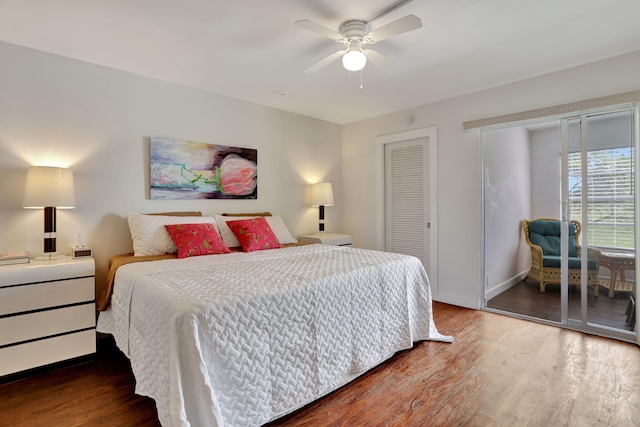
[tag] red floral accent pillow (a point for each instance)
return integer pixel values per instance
(254, 234)
(196, 240)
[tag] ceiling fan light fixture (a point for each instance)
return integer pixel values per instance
(354, 60)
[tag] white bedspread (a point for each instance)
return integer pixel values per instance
(241, 339)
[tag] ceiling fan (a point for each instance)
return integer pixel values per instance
(355, 35)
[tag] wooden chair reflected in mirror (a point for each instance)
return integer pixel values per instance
(543, 237)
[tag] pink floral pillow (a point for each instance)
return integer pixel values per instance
(254, 234)
(196, 240)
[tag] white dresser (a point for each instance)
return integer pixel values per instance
(47, 313)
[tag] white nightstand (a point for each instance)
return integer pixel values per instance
(328, 239)
(47, 313)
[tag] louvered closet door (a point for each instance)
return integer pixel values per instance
(407, 198)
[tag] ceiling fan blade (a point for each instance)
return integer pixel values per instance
(391, 9)
(379, 60)
(402, 25)
(318, 29)
(325, 61)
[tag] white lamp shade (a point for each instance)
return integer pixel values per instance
(354, 60)
(321, 194)
(49, 187)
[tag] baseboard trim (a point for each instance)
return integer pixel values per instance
(457, 300)
(505, 286)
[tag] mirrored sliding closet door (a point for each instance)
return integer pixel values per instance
(559, 221)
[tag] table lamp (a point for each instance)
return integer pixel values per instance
(321, 196)
(49, 188)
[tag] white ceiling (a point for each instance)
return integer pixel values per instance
(250, 49)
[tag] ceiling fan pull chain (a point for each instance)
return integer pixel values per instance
(360, 79)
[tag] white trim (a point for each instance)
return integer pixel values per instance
(559, 111)
(505, 286)
(432, 134)
(558, 117)
(636, 147)
(564, 234)
(466, 302)
(585, 217)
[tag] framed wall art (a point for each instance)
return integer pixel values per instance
(195, 170)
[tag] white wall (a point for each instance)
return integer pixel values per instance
(545, 172)
(459, 279)
(94, 120)
(507, 201)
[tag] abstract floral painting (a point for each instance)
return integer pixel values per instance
(195, 170)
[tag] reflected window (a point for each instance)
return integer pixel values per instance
(610, 196)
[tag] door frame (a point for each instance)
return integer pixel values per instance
(431, 133)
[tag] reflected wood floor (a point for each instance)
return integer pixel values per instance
(525, 298)
(500, 371)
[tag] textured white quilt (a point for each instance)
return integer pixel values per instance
(241, 339)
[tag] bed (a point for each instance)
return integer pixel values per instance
(243, 338)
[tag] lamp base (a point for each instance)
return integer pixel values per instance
(321, 219)
(50, 257)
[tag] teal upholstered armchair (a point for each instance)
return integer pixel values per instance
(543, 237)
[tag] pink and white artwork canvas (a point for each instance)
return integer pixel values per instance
(195, 170)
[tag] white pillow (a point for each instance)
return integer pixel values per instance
(275, 222)
(150, 237)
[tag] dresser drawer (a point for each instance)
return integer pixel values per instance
(43, 352)
(45, 271)
(31, 326)
(16, 299)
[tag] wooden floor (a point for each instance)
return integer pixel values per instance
(500, 371)
(525, 298)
